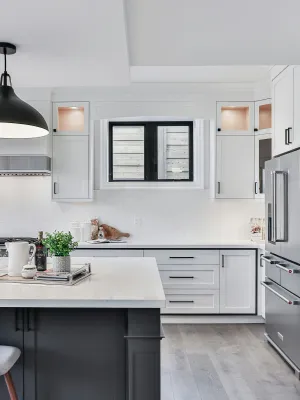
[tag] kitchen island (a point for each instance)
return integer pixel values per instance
(99, 339)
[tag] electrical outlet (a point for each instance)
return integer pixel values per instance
(137, 221)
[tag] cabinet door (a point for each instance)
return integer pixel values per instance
(263, 116)
(71, 118)
(283, 103)
(295, 133)
(263, 153)
(76, 354)
(235, 118)
(238, 281)
(11, 334)
(235, 167)
(70, 169)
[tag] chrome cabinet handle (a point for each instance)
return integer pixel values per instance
(256, 187)
(285, 299)
(219, 187)
(181, 277)
(268, 259)
(223, 261)
(286, 136)
(286, 269)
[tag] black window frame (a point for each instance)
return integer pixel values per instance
(150, 150)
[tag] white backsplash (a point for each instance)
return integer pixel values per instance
(161, 215)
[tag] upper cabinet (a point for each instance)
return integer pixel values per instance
(235, 118)
(286, 102)
(235, 167)
(72, 160)
(263, 153)
(71, 118)
(263, 117)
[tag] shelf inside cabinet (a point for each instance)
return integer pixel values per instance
(265, 116)
(235, 118)
(70, 119)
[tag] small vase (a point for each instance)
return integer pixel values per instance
(61, 263)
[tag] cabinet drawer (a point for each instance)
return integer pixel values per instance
(206, 277)
(165, 257)
(204, 302)
(106, 253)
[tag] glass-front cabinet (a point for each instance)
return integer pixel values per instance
(71, 118)
(235, 118)
(263, 153)
(263, 116)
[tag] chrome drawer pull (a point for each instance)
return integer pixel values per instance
(182, 257)
(181, 301)
(289, 270)
(181, 277)
(268, 260)
(290, 302)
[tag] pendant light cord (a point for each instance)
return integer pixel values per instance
(5, 75)
(5, 51)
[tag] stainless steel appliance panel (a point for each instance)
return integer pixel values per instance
(272, 271)
(290, 276)
(290, 165)
(283, 320)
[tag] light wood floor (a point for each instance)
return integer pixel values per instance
(223, 362)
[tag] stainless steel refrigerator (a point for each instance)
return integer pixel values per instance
(282, 258)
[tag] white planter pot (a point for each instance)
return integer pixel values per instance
(61, 264)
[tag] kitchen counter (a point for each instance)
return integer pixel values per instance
(234, 244)
(99, 339)
(115, 282)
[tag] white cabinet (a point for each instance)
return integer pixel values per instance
(283, 106)
(180, 301)
(295, 133)
(235, 118)
(71, 178)
(71, 118)
(237, 281)
(263, 153)
(235, 167)
(263, 117)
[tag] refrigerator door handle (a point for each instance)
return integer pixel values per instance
(284, 175)
(273, 229)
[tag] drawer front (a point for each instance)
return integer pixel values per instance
(283, 321)
(106, 253)
(290, 277)
(165, 257)
(272, 271)
(206, 277)
(204, 302)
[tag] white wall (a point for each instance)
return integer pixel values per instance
(190, 215)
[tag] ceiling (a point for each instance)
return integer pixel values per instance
(116, 42)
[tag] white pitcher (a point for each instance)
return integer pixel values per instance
(18, 256)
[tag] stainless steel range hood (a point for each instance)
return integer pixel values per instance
(25, 165)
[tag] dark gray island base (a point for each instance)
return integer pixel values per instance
(83, 353)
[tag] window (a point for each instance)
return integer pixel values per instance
(150, 151)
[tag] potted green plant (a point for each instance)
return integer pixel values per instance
(60, 245)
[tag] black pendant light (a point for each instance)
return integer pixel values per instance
(18, 120)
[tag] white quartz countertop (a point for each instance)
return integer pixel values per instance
(115, 283)
(239, 244)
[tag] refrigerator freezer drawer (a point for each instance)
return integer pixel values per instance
(290, 276)
(272, 271)
(283, 320)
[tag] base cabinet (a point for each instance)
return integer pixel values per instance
(77, 354)
(238, 282)
(11, 334)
